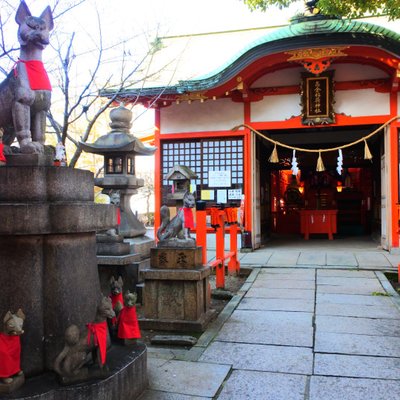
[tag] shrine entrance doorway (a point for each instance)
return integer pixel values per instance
(355, 194)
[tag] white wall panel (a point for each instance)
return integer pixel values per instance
(276, 108)
(357, 103)
(356, 72)
(284, 77)
(343, 73)
(218, 115)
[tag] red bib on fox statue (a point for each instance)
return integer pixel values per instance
(37, 75)
(2, 156)
(10, 353)
(128, 325)
(115, 298)
(98, 331)
(188, 217)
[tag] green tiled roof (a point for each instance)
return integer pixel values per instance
(310, 33)
(304, 32)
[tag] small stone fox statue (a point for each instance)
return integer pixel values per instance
(25, 95)
(11, 376)
(178, 227)
(117, 301)
(71, 363)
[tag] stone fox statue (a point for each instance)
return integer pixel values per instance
(25, 95)
(10, 346)
(179, 226)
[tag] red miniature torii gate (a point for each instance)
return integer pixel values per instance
(218, 219)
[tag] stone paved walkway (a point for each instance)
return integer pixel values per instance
(292, 334)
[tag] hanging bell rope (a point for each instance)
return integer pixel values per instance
(277, 143)
(273, 158)
(320, 163)
(367, 153)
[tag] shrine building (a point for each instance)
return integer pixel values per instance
(300, 121)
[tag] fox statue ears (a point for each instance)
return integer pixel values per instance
(23, 12)
(120, 281)
(9, 315)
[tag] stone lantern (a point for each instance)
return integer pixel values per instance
(119, 148)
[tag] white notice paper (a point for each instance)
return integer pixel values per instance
(221, 196)
(219, 178)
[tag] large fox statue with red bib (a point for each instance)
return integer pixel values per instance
(25, 95)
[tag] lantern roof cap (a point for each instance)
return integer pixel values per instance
(118, 140)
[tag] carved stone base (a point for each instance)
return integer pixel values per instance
(127, 379)
(176, 258)
(17, 382)
(141, 245)
(200, 325)
(176, 291)
(40, 160)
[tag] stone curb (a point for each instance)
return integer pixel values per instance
(394, 296)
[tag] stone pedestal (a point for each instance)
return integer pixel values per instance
(176, 291)
(127, 380)
(48, 264)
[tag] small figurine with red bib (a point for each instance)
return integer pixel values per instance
(11, 376)
(128, 325)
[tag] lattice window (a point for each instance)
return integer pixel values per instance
(202, 156)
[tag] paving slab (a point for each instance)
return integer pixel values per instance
(345, 273)
(312, 258)
(270, 293)
(275, 318)
(342, 259)
(366, 300)
(295, 360)
(268, 274)
(283, 284)
(252, 303)
(346, 281)
(283, 334)
(356, 366)
(345, 343)
(256, 258)
(332, 388)
(263, 385)
(156, 395)
(279, 258)
(203, 380)
(366, 289)
(359, 326)
(289, 271)
(373, 259)
(352, 310)
(394, 259)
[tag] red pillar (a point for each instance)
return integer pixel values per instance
(394, 174)
(220, 251)
(201, 233)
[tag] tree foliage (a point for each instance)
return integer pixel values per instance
(341, 8)
(79, 73)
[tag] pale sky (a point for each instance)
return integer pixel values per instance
(173, 17)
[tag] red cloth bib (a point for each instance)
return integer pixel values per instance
(118, 216)
(188, 217)
(10, 355)
(99, 332)
(128, 325)
(2, 156)
(37, 75)
(115, 298)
